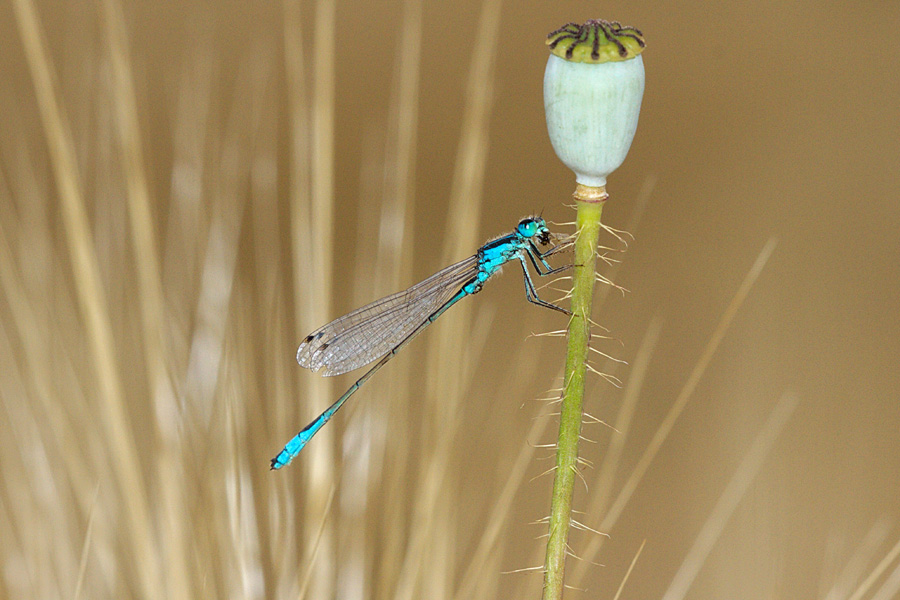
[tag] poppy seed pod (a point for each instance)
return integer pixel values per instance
(593, 86)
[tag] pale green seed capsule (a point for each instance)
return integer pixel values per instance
(593, 87)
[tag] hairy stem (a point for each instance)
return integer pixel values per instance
(590, 205)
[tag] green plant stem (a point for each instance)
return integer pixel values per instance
(588, 227)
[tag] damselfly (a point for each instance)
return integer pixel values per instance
(382, 328)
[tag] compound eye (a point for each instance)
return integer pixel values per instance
(527, 227)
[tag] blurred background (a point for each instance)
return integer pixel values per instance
(189, 188)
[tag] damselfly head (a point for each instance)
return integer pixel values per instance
(534, 227)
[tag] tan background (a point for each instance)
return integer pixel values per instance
(759, 120)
